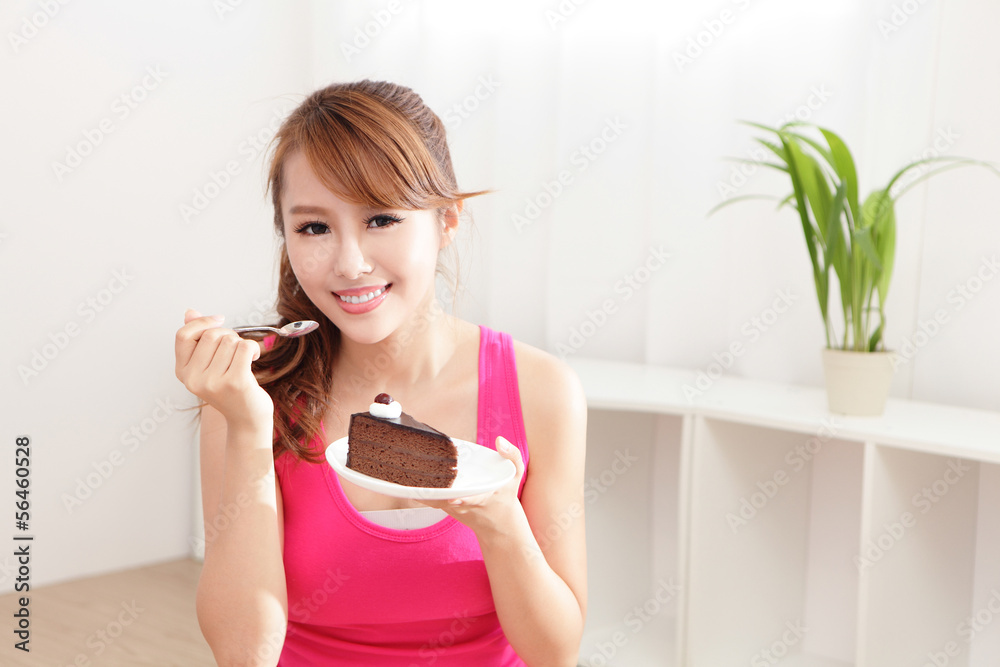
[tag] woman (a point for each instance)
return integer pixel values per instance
(323, 571)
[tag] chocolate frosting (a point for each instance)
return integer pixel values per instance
(404, 420)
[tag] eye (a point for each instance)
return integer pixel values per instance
(382, 220)
(312, 228)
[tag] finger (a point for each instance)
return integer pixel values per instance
(204, 353)
(507, 450)
(225, 351)
(471, 501)
(436, 504)
(187, 337)
(247, 352)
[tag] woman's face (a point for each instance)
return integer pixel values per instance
(342, 253)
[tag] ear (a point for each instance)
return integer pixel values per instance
(449, 223)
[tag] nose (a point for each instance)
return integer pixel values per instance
(349, 258)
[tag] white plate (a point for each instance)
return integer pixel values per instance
(480, 470)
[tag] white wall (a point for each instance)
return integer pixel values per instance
(545, 87)
(118, 212)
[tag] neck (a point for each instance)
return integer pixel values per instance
(412, 355)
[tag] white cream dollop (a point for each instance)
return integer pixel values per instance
(383, 411)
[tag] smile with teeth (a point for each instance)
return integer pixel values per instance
(363, 298)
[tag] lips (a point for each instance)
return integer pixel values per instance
(362, 299)
(361, 294)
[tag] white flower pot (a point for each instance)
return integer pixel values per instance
(857, 383)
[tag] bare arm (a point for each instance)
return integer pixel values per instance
(535, 550)
(242, 601)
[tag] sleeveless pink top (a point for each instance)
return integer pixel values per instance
(363, 594)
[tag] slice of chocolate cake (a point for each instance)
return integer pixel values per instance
(388, 444)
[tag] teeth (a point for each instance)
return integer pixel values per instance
(362, 299)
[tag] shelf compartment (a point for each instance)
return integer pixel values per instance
(631, 497)
(773, 527)
(918, 558)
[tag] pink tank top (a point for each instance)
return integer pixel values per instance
(363, 594)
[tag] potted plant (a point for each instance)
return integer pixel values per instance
(857, 239)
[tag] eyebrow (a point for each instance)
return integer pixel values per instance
(308, 209)
(301, 208)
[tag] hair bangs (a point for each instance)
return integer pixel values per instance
(368, 155)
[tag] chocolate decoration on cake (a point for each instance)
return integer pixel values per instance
(399, 448)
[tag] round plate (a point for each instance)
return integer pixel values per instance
(480, 470)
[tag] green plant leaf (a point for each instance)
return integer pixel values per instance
(843, 163)
(787, 200)
(817, 146)
(865, 271)
(772, 165)
(815, 189)
(876, 337)
(759, 126)
(834, 243)
(857, 240)
(953, 163)
(808, 231)
(727, 202)
(774, 148)
(879, 214)
(862, 238)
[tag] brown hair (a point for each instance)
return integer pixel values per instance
(372, 143)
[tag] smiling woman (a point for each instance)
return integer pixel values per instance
(352, 160)
(365, 200)
(347, 257)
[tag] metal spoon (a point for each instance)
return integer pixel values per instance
(290, 330)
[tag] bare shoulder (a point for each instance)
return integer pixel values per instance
(552, 398)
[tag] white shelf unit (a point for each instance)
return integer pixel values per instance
(785, 534)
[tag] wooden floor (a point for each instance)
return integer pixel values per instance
(137, 617)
